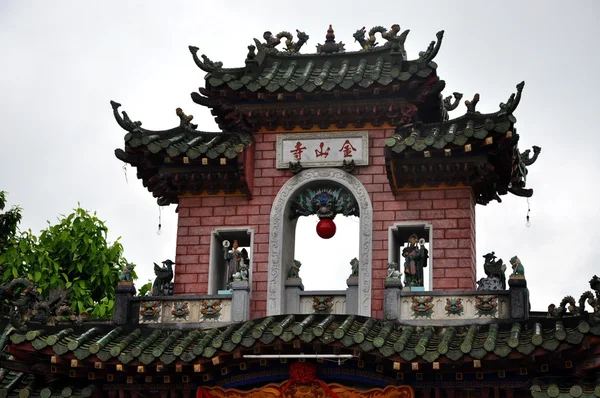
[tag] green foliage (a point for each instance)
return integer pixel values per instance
(9, 222)
(72, 254)
(145, 289)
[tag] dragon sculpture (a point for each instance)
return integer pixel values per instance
(394, 40)
(568, 304)
(272, 41)
(25, 304)
(449, 105)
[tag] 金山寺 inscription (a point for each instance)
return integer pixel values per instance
(323, 149)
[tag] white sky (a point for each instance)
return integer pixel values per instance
(63, 61)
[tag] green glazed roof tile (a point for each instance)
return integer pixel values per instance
(471, 128)
(352, 332)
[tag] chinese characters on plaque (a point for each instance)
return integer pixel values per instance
(323, 149)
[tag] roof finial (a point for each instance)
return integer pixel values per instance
(330, 46)
(330, 36)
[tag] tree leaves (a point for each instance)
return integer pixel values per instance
(73, 253)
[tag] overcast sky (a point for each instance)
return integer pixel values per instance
(62, 62)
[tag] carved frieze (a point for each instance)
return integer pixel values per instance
(180, 311)
(461, 307)
(210, 309)
(422, 306)
(150, 311)
(322, 304)
(486, 306)
(454, 306)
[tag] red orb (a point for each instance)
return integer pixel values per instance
(326, 228)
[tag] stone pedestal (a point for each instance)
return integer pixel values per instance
(352, 295)
(293, 287)
(123, 293)
(391, 305)
(519, 298)
(240, 301)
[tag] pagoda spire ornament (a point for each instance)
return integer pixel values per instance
(330, 46)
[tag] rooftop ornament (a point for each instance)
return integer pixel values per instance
(272, 41)
(26, 305)
(125, 275)
(494, 269)
(569, 305)
(330, 46)
(162, 285)
(448, 105)
(294, 272)
(136, 127)
(354, 267)
(206, 64)
(394, 40)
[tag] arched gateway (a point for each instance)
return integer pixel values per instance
(282, 234)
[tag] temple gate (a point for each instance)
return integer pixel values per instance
(365, 133)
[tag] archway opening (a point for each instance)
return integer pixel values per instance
(282, 238)
(326, 262)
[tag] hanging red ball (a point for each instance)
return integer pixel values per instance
(326, 228)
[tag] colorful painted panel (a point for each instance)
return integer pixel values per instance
(314, 389)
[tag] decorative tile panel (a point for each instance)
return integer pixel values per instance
(322, 304)
(424, 306)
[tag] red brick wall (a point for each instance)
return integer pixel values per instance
(450, 211)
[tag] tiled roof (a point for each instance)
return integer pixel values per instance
(354, 333)
(183, 140)
(15, 384)
(184, 160)
(274, 70)
(471, 127)
(566, 389)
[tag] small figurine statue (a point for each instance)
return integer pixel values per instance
(162, 285)
(354, 264)
(125, 275)
(518, 269)
(242, 274)
(294, 272)
(393, 270)
(236, 268)
(494, 269)
(415, 257)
